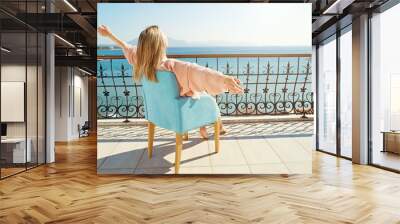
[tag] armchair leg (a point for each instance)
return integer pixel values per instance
(216, 134)
(150, 141)
(178, 148)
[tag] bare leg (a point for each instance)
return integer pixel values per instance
(203, 132)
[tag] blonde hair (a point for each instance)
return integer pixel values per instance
(150, 51)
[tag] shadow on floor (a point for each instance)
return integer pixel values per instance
(127, 162)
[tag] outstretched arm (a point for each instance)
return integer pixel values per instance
(195, 78)
(106, 32)
(129, 51)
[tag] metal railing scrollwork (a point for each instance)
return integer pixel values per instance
(274, 84)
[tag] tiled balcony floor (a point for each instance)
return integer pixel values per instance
(251, 148)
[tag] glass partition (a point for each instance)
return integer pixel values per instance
(385, 90)
(32, 98)
(22, 88)
(346, 92)
(327, 95)
(14, 153)
(41, 97)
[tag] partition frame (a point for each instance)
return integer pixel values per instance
(337, 34)
(44, 82)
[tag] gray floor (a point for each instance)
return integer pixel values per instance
(252, 148)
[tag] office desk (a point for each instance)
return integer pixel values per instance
(13, 150)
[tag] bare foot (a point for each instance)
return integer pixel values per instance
(222, 129)
(222, 132)
(203, 133)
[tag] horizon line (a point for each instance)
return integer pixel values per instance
(299, 46)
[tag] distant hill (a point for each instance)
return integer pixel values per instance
(171, 42)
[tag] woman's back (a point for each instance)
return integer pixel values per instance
(165, 108)
(161, 99)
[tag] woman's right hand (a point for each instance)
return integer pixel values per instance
(104, 31)
(232, 84)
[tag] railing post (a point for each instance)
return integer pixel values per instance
(236, 96)
(266, 89)
(115, 90)
(295, 85)
(276, 86)
(255, 94)
(227, 94)
(304, 89)
(285, 89)
(126, 92)
(246, 90)
(105, 92)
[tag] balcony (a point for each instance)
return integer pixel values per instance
(273, 85)
(269, 127)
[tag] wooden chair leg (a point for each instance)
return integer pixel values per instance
(150, 140)
(178, 151)
(216, 134)
(186, 136)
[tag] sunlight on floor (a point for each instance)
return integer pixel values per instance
(252, 148)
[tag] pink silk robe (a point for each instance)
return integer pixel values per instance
(192, 78)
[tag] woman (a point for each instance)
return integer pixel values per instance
(150, 55)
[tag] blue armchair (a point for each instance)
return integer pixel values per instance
(166, 109)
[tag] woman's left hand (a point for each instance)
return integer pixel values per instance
(232, 84)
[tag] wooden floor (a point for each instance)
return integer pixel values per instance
(70, 191)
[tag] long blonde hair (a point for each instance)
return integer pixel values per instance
(150, 51)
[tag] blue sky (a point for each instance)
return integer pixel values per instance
(209, 24)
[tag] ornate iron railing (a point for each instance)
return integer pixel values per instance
(274, 84)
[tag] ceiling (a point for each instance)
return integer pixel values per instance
(329, 16)
(75, 22)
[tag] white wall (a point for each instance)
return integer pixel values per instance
(14, 73)
(61, 103)
(79, 117)
(34, 124)
(69, 82)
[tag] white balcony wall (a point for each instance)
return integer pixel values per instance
(71, 102)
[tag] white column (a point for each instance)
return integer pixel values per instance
(50, 99)
(360, 90)
(50, 92)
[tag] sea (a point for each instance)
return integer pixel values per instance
(220, 50)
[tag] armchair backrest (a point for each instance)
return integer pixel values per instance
(161, 101)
